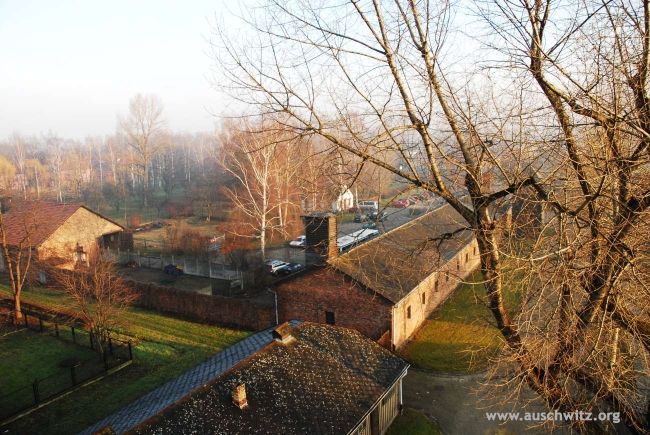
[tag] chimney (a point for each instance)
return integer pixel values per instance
(283, 333)
(320, 233)
(239, 396)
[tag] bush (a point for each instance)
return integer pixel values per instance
(178, 208)
(181, 239)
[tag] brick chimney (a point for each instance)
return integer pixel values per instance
(283, 333)
(321, 235)
(239, 396)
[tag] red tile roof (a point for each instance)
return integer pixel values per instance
(36, 219)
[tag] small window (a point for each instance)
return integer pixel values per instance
(330, 319)
(466, 258)
(435, 286)
(447, 278)
(424, 298)
(80, 255)
(408, 312)
(474, 250)
(458, 264)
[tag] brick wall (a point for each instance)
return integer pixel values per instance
(310, 296)
(233, 312)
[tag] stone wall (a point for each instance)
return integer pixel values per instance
(310, 296)
(84, 229)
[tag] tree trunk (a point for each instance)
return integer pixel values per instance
(145, 190)
(18, 313)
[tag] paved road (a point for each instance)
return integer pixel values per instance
(458, 404)
(395, 217)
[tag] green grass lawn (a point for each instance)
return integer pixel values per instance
(412, 422)
(164, 348)
(461, 335)
(27, 356)
(40, 352)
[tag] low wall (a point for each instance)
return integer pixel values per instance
(233, 312)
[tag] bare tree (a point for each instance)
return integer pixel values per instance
(17, 251)
(377, 78)
(19, 148)
(7, 173)
(99, 295)
(54, 146)
(251, 158)
(142, 127)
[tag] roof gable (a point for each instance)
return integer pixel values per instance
(38, 220)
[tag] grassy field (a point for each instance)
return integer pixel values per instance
(461, 335)
(40, 352)
(412, 422)
(165, 347)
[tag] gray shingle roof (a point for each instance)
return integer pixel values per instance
(323, 382)
(397, 261)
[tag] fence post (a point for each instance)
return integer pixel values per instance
(73, 375)
(40, 323)
(56, 329)
(35, 391)
(25, 319)
(110, 345)
(74, 337)
(130, 351)
(90, 336)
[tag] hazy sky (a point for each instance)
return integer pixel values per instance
(71, 66)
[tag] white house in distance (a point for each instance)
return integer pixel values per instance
(344, 201)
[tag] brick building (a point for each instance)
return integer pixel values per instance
(384, 288)
(59, 233)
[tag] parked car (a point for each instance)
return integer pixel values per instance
(377, 216)
(370, 225)
(401, 203)
(274, 266)
(300, 242)
(290, 269)
(360, 217)
(173, 270)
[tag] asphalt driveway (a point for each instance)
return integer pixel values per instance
(458, 404)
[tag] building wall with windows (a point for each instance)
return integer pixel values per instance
(410, 313)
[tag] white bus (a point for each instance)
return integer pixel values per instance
(368, 205)
(347, 241)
